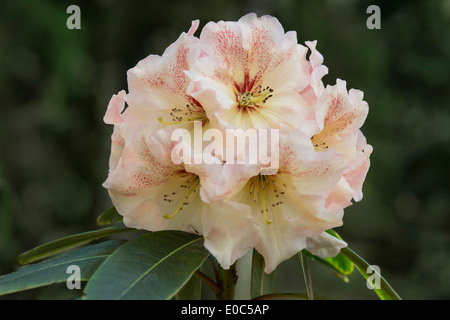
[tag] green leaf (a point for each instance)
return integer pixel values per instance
(344, 264)
(340, 264)
(108, 217)
(385, 291)
(153, 266)
(192, 290)
(55, 270)
(66, 243)
(261, 282)
(334, 234)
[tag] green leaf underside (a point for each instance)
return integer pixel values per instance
(340, 264)
(153, 266)
(67, 243)
(54, 270)
(261, 282)
(108, 217)
(334, 234)
(385, 292)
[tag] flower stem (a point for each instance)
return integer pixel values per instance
(306, 275)
(227, 282)
(215, 288)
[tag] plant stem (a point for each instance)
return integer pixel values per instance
(306, 274)
(214, 266)
(227, 283)
(214, 286)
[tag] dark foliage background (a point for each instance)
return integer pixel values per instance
(55, 84)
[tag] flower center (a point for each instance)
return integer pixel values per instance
(254, 98)
(191, 112)
(267, 193)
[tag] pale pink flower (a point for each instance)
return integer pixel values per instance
(317, 70)
(288, 208)
(244, 74)
(145, 186)
(251, 74)
(153, 193)
(340, 115)
(157, 86)
(314, 89)
(113, 116)
(233, 206)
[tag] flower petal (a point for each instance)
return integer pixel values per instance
(229, 231)
(339, 112)
(324, 245)
(340, 196)
(298, 218)
(309, 172)
(246, 48)
(115, 107)
(157, 84)
(356, 176)
(144, 190)
(221, 181)
(210, 85)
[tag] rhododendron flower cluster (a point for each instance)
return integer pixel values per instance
(248, 74)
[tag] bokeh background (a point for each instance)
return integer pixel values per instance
(55, 85)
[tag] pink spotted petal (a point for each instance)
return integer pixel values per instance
(339, 111)
(157, 84)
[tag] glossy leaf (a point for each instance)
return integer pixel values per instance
(152, 266)
(54, 270)
(385, 291)
(67, 243)
(340, 264)
(334, 234)
(261, 282)
(192, 290)
(108, 217)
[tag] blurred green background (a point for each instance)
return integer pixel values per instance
(55, 85)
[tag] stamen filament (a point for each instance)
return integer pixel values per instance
(263, 200)
(254, 99)
(177, 122)
(192, 189)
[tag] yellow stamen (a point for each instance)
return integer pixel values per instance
(263, 200)
(251, 99)
(192, 189)
(177, 122)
